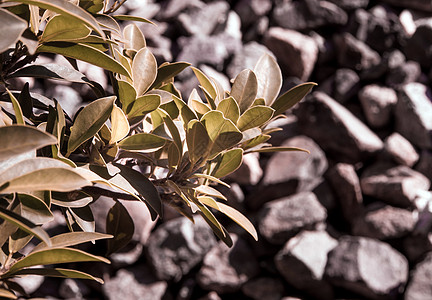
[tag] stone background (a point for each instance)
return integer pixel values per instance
(351, 220)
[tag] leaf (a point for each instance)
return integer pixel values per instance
(3, 292)
(25, 225)
(66, 8)
(26, 101)
(199, 107)
(61, 28)
(205, 83)
(83, 217)
(92, 6)
(209, 177)
(208, 190)
(120, 224)
(260, 139)
(198, 141)
(132, 18)
(15, 27)
(51, 71)
(54, 256)
(18, 240)
(143, 141)
(144, 186)
(255, 116)
(144, 70)
(186, 113)
(172, 129)
(167, 72)
(57, 272)
(134, 37)
(76, 199)
(119, 125)
(228, 162)
(290, 98)
(34, 209)
(127, 93)
(89, 121)
(269, 78)
(232, 213)
(17, 109)
(72, 239)
(244, 89)
(19, 139)
(85, 53)
(143, 105)
(279, 149)
(230, 109)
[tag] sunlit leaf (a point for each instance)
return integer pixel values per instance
(18, 240)
(71, 239)
(89, 121)
(255, 116)
(208, 190)
(52, 71)
(255, 141)
(17, 109)
(63, 28)
(3, 292)
(144, 70)
(244, 89)
(290, 98)
(15, 27)
(172, 129)
(83, 217)
(269, 78)
(57, 272)
(186, 113)
(119, 125)
(34, 209)
(279, 149)
(134, 37)
(143, 105)
(132, 18)
(119, 224)
(211, 178)
(92, 6)
(142, 141)
(197, 140)
(127, 93)
(205, 83)
(228, 162)
(230, 109)
(168, 71)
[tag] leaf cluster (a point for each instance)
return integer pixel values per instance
(143, 142)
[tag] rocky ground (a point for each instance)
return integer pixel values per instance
(351, 220)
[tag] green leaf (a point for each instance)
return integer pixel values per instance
(290, 98)
(205, 83)
(143, 105)
(132, 18)
(228, 162)
(255, 141)
(19, 139)
(232, 213)
(120, 224)
(167, 72)
(134, 37)
(72, 239)
(198, 141)
(244, 89)
(51, 71)
(18, 240)
(89, 121)
(15, 27)
(269, 78)
(83, 217)
(199, 107)
(57, 272)
(17, 108)
(25, 225)
(66, 8)
(208, 190)
(35, 209)
(279, 149)
(61, 28)
(144, 187)
(92, 6)
(255, 116)
(186, 113)
(172, 129)
(85, 53)
(55, 256)
(3, 292)
(76, 199)
(127, 93)
(209, 177)
(144, 70)
(119, 125)
(230, 109)
(143, 141)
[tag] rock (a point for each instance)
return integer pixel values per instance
(413, 117)
(225, 270)
(322, 118)
(368, 267)
(302, 262)
(346, 185)
(177, 246)
(422, 5)
(250, 172)
(385, 223)
(346, 85)
(251, 10)
(30, 283)
(290, 172)
(399, 76)
(407, 22)
(395, 185)
(233, 25)
(260, 288)
(415, 246)
(69, 98)
(73, 289)
(218, 76)
(127, 256)
(378, 104)
(281, 219)
(211, 296)
(389, 61)
(308, 14)
(172, 8)
(297, 53)
(417, 47)
(424, 163)
(420, 286)
(136, 283)
(350, 4)
(401, 150)
(257, 30)
(354, 54)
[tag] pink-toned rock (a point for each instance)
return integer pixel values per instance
(401, 150)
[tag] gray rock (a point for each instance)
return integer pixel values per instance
(281, 219)
(69, 98)
(385, 223)
(403, 74)
(350, 4)
(308, 14)
(355, 54)
(297, 53)
(30, 283)
(346, 185)
(414, 115)
(73, 289)
(136, 283)
(422, 5)
(263, 288)
(368, 267)
(378, 104)
(250, 172)
(225, 270)
(418, 47)
(346, 85)
(420, 286)
(211, 296)
(302, 262)
(424, 163)
(177, 246)
(389, 61)
(401, 150)
(251, 10)
(395, 185)
(172, 8)
(322, 118)
(415, 246)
